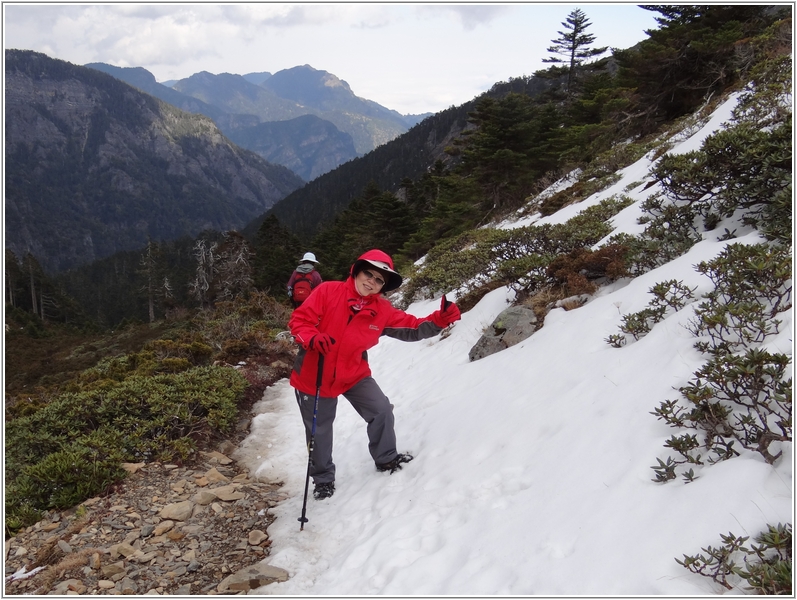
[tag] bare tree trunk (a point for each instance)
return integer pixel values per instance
(33, 289)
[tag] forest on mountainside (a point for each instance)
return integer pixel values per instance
(513, 141)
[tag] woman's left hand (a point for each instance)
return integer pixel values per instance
(449, 312)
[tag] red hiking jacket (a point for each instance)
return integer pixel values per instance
(328, 310)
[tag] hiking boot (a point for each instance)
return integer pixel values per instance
(395, 464)
(323, 490)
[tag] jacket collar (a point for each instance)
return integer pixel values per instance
(355, 300)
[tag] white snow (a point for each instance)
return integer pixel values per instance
(532, 466)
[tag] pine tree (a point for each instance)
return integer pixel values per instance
(694, 54)
(277, 252)
(574, 45)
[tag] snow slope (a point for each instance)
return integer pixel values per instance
(532, 472)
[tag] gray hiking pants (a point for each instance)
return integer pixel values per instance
(371, 404)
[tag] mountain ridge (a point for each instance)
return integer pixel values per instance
(233, 100)
(95, 166)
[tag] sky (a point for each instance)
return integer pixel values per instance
(532, 471)
(412, 57)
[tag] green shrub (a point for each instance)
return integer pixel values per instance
(668, 295)
(517, 257)
(72, 448)
(740, 398)
(752, 285)
(767, 568)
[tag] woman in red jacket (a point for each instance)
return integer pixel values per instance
(342, 320)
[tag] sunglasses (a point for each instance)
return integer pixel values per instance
(375, 278)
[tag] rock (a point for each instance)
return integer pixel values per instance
(127, 586)
(487, 345)
(163, 527)
(122, 549)
(572, 302)
(228, 493)
(252, 577)
(204, 497)
(113, 569)
(132, 467)
(70, 585)
(213, 476)
(256, 536)
(179, 511)
(226, 447)
(511, 327)
(115, 541)
(217, 457)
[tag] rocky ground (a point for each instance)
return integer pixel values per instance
(197, 529)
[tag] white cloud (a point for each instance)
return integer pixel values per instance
(469, 16)
(410, 57)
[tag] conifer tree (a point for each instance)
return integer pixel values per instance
(574, 45)
(694, 54)
(277, 252)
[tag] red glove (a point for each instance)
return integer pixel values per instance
(321, 342)
(448, 313)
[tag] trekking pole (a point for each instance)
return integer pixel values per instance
(303, 519)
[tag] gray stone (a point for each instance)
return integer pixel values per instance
(511, 327)
(204, 497)
(256, 536)
(228, 493)
(127, 586)
(180, 511)
(252, 577)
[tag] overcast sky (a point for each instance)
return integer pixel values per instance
(413, 58)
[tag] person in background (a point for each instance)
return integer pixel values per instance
(341, 320)
(303, 280)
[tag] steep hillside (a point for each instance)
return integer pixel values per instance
(94, 166)
(308, 151)
(308, 145)
(408, 156)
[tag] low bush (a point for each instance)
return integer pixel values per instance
(765, 568)
(517, 257)
(741, 397)
(72, 447)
